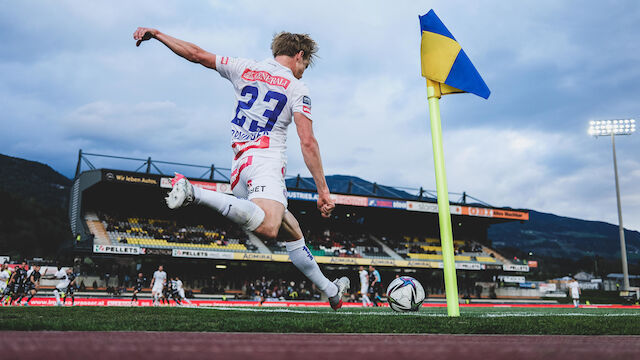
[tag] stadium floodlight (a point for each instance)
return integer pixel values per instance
(613, 128)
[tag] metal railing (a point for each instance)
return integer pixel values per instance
(214, 173)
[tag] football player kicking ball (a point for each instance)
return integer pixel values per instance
(269, 95)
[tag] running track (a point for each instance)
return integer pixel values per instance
(124, 301)
(263, 346)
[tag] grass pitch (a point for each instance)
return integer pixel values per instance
(323, 320)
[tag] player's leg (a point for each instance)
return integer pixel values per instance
(184, 298)
(134, 297)
(19, 298)
(56, 293)
(243, 212)
(301, 257)
(32, 293)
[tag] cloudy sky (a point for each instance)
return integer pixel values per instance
(71, 78)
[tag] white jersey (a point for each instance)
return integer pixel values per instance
(268, 94)
(4, 276)
(574, 289)
(4, 279)
(62, 274)
(159, 278)
(364, 279)
(178, 284)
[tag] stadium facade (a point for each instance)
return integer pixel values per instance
(121, 214)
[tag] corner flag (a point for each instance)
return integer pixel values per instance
(444, 61)
(448, 70)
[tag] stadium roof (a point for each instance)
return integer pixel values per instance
(340, 184)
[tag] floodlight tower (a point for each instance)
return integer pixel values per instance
(613, 128)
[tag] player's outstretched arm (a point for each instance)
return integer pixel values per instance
(311, 155)
(182, 48)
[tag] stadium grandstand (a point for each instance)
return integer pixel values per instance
(121, 214)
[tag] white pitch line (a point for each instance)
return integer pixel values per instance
(297, 311)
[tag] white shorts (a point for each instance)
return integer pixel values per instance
(157, 288)
(256, 177)
(181, 292)
(364, 290)
(3, 285)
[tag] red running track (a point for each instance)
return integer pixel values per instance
(124, 301)
(262, 346)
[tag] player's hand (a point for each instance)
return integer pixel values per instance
(143, 34)
(325, 204)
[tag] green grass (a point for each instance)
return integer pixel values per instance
(322, 320)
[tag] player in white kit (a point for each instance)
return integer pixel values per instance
(5, 275)
(269, 95)
(180, 289)
(364, 286)
(574, 289)
(63, 285)
(157, 284)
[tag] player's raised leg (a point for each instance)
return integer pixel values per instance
(242, 212)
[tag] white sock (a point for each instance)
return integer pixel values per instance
(301, 257)
(57, 294)
(242, 212)
(365, 299)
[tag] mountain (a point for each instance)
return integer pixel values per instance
(33, 215)
(554, 236)
(34, 180)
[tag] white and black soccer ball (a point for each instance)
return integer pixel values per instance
(405, 294)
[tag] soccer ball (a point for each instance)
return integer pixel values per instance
(405, 294)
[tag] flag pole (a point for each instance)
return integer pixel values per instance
(444, 214)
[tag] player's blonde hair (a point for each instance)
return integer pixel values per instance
(286, 43)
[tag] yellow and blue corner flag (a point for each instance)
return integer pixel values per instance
(444, 61)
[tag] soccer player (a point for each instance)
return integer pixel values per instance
(140, 280)
(71, 288)
(65, 276)
(574, 289)
(17, 281)
(269, 95)
(5, 275)
(376, 285)
(180, 289)
(364, 286)
(173, 291)
(32, 284)
(157, 284)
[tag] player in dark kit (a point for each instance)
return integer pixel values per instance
(32, 284)
(175, 294)
(166, 293)
(19, 278)
(140, 281)
(71, 289)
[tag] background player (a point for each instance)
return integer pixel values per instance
(376, 285)
(5, 275)
(140, 280)
(17, 282)
(180, 288)
(62, 286)
(269, 95)
(71, 288)
(157, 284)
(32, 284)
(574, 290)
(364, 286)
